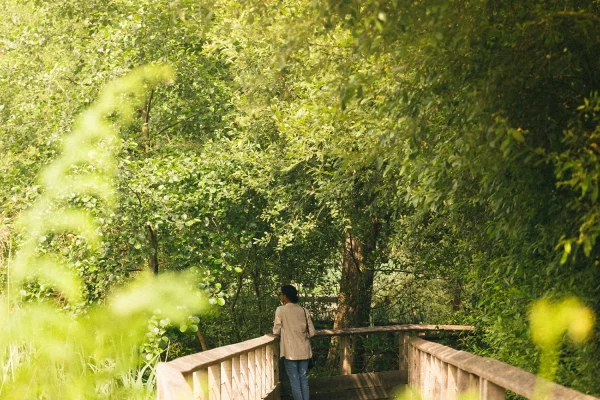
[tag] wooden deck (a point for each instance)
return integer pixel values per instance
(373, 385)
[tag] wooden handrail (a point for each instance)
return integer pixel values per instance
(394, 328)
(195, 362)
(441, 372)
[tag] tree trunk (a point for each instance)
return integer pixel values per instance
(153, 259)
(202, 339)
(457, 292)
(356, 290)
(255, 280)
(234, 302)
(146, 121)
(152, 236)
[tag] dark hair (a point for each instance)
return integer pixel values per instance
(290, 292)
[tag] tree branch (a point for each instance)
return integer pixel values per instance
(571, 14)
(146, 120)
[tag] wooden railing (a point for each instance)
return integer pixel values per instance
(250, 370)
(404, 332)
(440, 372)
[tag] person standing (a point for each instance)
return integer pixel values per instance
(294, 326)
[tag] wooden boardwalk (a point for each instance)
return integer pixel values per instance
(372, 385)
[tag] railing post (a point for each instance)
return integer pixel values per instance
(236, 378)
(345, 356)
(252, 395)
(435, 372)
(214, 382)
(422, 372)
(200, 384)
(427, 376)
(265, 372)
(226, 380)
(443, 379)
(269, 368)
(275, 346)
(403, 354)
(413, 370)
(244, 372)
(474, 383)
(452, 388)
(462, 381)
(489, 391)
(258, 376)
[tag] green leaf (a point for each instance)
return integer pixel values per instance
(517, 134)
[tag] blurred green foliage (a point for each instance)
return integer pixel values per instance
(54, 347)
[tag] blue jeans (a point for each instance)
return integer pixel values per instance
(297, 372)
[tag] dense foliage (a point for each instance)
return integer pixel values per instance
(427, 161)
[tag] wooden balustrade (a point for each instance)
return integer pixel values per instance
(404, 331)
(247, 371)
(250, 371)
(440, 372)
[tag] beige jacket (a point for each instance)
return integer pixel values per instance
(290, 324)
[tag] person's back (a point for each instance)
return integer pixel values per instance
(295, 327)
(294, 344)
